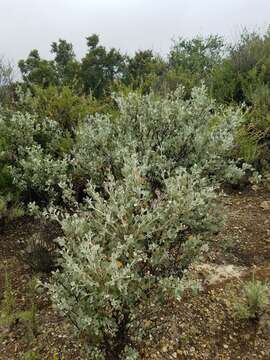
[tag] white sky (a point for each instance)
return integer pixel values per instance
(125, 24)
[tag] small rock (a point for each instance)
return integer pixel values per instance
(265, 205)
(164, 348)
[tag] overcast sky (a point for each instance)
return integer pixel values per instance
(125, 24)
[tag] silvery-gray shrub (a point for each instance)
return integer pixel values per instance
(119, 248)
(147, 205)
(165, 133)
(28, 149)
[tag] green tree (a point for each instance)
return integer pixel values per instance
(192, 61)
(67, 66)
(100, 67)
(143, 70)
(38, 71)
(245, 68)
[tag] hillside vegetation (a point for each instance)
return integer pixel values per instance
(115, 172)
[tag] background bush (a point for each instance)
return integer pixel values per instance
(165, 133)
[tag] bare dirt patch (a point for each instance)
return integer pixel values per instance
(245, 239)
